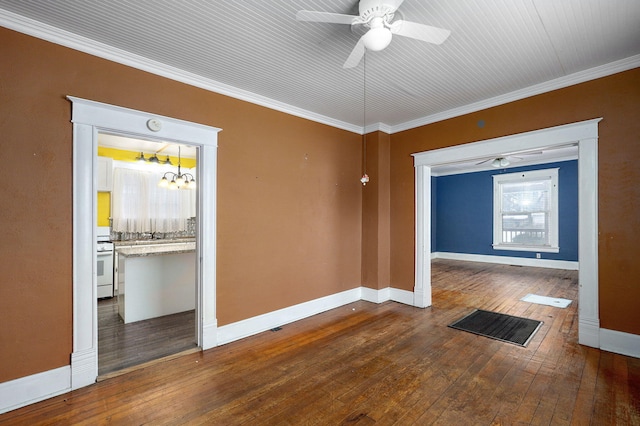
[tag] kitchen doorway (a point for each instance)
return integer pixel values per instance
(152, 225)
(89, 118)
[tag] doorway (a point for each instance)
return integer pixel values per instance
(585, 135)
(159, 223)
(89, 118)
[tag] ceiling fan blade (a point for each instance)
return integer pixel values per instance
(333, 18)
(356, 54)
(530, 153)
(485, 161)
(419, 31)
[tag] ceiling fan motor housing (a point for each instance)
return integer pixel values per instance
(372, 9)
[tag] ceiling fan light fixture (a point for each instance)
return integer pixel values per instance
(500, 162)
(377, 38)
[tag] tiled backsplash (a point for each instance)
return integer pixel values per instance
(135, 236)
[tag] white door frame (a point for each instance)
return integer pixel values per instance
(90, 118)
(585, 134)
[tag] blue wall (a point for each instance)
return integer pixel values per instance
(462, 212)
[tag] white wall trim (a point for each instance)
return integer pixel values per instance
(620, 343)
(508, 260)
(89, 118)
(31, 389)
(585, 134)
(547, 86)
(403, 296)
(64, 38)
(254, 325)
(209, 334)
(251, 326)
(588, 331)
(375, 296)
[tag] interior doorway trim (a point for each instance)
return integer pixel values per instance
(90, 118)
(585, 135)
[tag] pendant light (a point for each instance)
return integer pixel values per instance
(178, 180)
(365, 177)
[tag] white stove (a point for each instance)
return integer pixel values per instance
(104, 269)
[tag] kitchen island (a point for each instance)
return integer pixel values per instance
(155, 279)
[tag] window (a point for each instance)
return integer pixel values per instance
(140, 206)
(525, 211)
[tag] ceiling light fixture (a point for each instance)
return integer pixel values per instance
(378, 37)
(178, 180)
(153, 159)
(500, 162)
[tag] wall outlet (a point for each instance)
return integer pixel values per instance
(537, 255)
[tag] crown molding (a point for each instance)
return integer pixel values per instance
(548, 86)
(64, 38)
(55, 35)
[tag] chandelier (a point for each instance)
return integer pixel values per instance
(178, 180)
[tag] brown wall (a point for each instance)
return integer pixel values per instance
(376, 225)
(616, 99)
(289, 196)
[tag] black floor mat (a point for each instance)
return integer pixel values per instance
(506, 328)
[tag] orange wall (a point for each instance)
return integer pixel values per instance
(376, 213)
(617, 100)
(289, 196)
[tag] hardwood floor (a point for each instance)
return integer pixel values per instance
(121, 346)
(388, 363)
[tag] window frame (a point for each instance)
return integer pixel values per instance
(553, 226)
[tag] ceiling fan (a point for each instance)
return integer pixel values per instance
(505, 160)
(377, 17)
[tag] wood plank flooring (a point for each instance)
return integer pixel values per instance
(121, 346)
(388, 364)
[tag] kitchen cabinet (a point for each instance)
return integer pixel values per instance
(105, 174)
(156, 280)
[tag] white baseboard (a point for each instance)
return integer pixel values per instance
(402, 296)
(209, 335)
(37, 387)
(385, 294)
(589, 332)
(620, 343)
(248, 327)
(507, 260)
(84, 368)
(375, 296)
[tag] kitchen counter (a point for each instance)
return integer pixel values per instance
(139, 250)
(155, 279)
(126, 243)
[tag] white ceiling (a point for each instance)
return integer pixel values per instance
(498, 50)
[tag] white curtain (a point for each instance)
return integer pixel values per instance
(139, 205)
